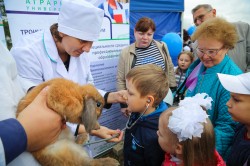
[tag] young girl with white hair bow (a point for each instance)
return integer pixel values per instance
(187, 135)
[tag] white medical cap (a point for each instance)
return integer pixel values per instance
(80, 19)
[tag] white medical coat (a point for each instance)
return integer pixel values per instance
(38, 60)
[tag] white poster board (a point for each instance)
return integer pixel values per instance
(28, 16)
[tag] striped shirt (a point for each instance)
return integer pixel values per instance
(149, 55)
(179, 76)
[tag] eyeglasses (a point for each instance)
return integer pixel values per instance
(201, 17)
(209, 52)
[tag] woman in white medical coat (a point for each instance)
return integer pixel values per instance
(41, 57)
(62, 51)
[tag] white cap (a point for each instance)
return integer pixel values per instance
(80, 19)
(237, 84)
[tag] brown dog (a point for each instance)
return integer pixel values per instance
(77, 104)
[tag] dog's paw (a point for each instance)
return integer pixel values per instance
(107, 162)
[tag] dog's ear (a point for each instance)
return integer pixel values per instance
(89, 116)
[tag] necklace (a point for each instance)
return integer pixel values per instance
(129, 127)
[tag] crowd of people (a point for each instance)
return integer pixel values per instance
(209, 125)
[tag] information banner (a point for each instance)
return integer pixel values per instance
(103, 67)
(29, 16)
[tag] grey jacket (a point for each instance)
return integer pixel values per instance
(241, 52)
(126, 60)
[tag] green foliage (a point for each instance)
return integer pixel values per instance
(5, 25)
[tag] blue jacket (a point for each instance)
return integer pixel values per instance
(13, 138)
(209, 83)
(240, 149)
(141, 145)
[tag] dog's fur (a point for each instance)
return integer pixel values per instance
(77, 104)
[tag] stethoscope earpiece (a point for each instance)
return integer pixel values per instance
(129, 127)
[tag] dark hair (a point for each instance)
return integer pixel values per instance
(185, 35)
(55, 33)
(144, 24)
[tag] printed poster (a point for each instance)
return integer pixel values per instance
(29, 16)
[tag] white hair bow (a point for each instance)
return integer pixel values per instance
(201, 99)
(186, 121)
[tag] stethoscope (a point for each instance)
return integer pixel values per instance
(127, 123)
(125, 128)
(51, 59)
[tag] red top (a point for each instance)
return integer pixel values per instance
(168, 162)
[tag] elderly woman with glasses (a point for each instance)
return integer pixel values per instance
(214, 38)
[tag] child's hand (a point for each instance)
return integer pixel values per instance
(107, 133)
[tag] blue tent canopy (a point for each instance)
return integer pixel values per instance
(165, 13)
(157, 5)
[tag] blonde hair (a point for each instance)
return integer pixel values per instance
(195, 151)
(218, 29)
(191, 56)
(150, 79)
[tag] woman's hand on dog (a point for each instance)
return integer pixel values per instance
(106, 133)
(117, 97)
(41, 124)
